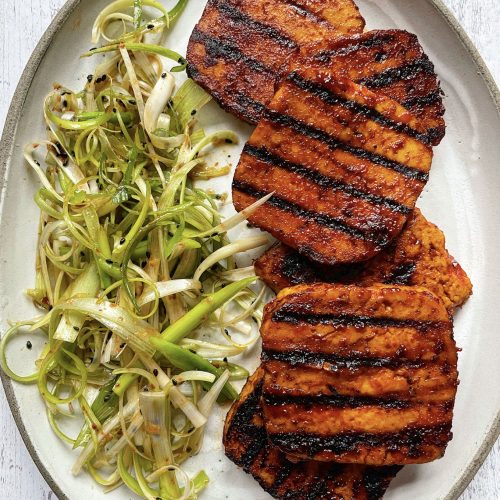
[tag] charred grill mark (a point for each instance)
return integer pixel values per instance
(335, 362)
(284, 471)
(258, 441)
(336, 400)
(376, 480)
(262, 29)
(435, 134)
(308, 130)
(280, 477)
(248, 108)
(303, 11)
(422, 101)
(322, 486)
(242, 424)
(246, 101)
(329, 97)
(402, 274)
(289, 315)
(264, 155)
(244, 416)
(412, 438)
(379, 237)
(405, 72)
(354, 46)
(218, 49)
(296, 269)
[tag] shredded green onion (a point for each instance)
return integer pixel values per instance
(134, 266)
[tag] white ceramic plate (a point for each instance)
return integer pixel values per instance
(462, 198)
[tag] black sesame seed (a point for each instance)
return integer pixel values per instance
(122, 241)
(155, 372)
(148, 254)
(218, 196)
(90, 78)
(29, 345)
(150, 26)
(225, 360)
(174, 382)
(109, 261)
(193, 112)
(65, 103)
(76, 328)
(164, 75)
(229, 141)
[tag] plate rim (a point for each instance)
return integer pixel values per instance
(6, 149)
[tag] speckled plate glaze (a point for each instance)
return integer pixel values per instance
(462, 198)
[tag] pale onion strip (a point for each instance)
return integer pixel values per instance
(139, 271)
(166, 288)
(194, 375)
(227, 251)
(28, 155)
(246, 314)
(157, 101)
(115, 7)
(132, 330)
(128, 410)
(177, 398)
(188, 484)
(72, 170)
(207, 402)
(107, 66)
(133, 81)
(240, 217)
(238, 274)
(209, 350)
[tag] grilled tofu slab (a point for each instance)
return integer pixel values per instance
(417, 257)
(363, 375)
(388, 61)
(246, 444)
(238, 47)
(346, 166)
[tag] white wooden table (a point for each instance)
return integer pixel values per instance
(21, 26)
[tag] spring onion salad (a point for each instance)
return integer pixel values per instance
(142, 301)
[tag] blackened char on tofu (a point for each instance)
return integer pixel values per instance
(238, 48)
(246, 444)
(391, 62)
(364, 375)
(346, 167)
(418, 257)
